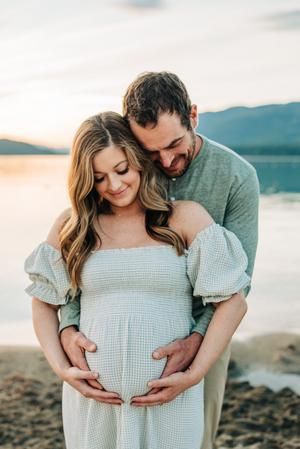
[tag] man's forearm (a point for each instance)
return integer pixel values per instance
(202, 316)
(70, 314)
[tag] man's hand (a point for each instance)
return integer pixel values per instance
(75, 344)
(180, 354)
(79, 379)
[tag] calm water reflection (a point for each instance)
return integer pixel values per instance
(277, 173)
(32, 194)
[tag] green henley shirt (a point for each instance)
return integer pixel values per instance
(227, 186)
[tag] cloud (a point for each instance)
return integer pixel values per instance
(283, 21)
(143, 3)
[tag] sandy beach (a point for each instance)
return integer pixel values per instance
(254, 417)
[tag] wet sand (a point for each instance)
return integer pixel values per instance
(254, 417)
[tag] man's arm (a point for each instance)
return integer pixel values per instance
(72, 340)
(70, 314)
(242, 219)
(202, 316)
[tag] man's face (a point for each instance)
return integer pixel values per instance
(171, 146)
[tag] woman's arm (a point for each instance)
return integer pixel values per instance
(45, 323)
(223, 324)
(189, 219)
(225, 320)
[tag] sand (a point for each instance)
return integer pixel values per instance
(252, 418)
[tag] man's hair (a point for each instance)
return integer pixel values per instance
(152, 93)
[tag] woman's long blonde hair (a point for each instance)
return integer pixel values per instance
(78, 236)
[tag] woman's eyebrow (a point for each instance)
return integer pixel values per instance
(115, 166)
(119, 163)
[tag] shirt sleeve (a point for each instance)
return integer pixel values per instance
(48, 273)
(216, 265)
(70, 313)
(202, 316)
(241, 218)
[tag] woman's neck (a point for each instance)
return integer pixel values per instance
(133, 210)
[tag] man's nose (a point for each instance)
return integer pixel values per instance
(166, 158)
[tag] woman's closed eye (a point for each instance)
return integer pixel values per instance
(98, 180)
(123, 172)
(120, 172)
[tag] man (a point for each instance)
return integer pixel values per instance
(162, 118)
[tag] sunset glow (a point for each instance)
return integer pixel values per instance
(63, 61)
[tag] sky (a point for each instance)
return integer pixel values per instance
(64, 60)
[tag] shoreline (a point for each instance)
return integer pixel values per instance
(253, 417)
(274, 354)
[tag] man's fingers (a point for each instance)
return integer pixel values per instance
(165, 351)
(169, 369)
(80, 362)
(162, 352)
(85, 343)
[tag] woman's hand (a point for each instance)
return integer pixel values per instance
(169, 388)
(78, 379)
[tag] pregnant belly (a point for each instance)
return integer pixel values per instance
(124, 350)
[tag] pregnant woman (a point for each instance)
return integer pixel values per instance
(136, 260)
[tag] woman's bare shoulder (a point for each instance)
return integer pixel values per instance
(190, 218)
(189, 209)
(53, 235)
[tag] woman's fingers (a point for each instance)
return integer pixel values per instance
(90, 376)
(79, 379)
(168, 381)
(89, 392)
(163, 390)
(152, 399)
(153, 391)
(95, 384)
(77, 373)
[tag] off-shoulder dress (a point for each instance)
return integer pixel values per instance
(134, 300)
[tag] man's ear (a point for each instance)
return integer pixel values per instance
(194, 116)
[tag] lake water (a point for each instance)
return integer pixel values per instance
(32, 193)
(277, 173)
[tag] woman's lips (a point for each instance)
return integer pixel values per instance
(119, 193)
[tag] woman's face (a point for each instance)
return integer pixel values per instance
(115, 180)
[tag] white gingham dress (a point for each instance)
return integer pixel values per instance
(134, 300)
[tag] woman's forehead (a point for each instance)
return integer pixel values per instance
(108, 158)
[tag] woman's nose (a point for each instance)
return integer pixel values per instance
(114, 184)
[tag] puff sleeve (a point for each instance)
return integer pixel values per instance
(216, 264)
(49, 276)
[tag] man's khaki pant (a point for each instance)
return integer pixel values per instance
(214, 387)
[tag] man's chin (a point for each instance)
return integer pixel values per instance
(174, 173)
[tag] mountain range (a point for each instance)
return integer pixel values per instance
(14, 147)
(269, 129)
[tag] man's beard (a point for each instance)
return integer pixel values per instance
(188, 159)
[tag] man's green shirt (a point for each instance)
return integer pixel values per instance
(227, 186)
